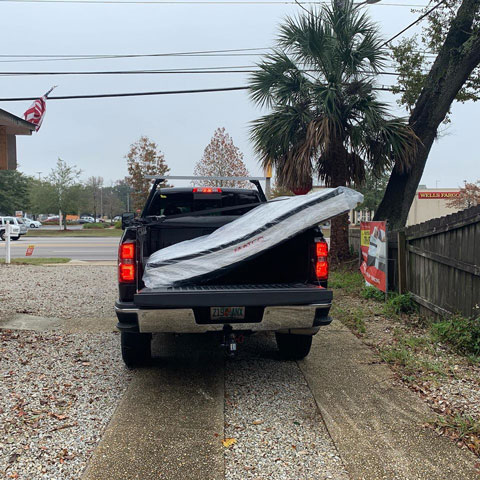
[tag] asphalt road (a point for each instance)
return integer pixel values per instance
(76, 248)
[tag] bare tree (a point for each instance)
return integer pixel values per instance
(95, 184)
(144, 158)
(221, 158)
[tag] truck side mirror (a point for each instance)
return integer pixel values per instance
(127, 219)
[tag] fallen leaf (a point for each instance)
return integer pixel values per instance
(228, 442)
(257, 422)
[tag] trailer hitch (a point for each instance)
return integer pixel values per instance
(230, 340)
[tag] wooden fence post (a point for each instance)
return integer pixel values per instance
(402, 262)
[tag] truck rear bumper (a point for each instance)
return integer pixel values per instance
(300, 308)
(299, 319)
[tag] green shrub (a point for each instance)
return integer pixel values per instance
(95, 225)
(397, 304)
(462, 334)
(118, 225)
(372, 292)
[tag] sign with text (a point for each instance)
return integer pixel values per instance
(373, 246)
(29, 251)
(437, 195)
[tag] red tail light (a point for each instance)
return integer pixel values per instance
(207, 190)
(126, 262)
(321, 270)
(321, 263)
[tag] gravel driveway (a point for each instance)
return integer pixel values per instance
(57, 393)
(63, 291)
(59, 390)
(271, 413)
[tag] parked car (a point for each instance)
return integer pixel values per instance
(86, 219)
(281, 290)
(22, 225)
(31, 223)
(15, 231)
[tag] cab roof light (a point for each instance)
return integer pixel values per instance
(207, 190)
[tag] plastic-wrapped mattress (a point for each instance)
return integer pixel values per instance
(258, 230)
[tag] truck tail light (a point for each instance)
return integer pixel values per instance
(321, 260)
(126, 262)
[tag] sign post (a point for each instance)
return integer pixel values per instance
(374, 252)
(8, 230)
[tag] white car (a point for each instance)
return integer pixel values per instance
(31, 223)
(15, 228)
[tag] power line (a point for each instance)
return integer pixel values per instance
(414, 23)
(130, 94)
(124, 55)
(198, 2)
(142, 94)
(174, 71)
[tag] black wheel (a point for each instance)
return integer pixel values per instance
(15, 238)
(293, 347)
(136, 348)
(2, 235)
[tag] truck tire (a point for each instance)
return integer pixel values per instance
(136, 348)
(293, 347)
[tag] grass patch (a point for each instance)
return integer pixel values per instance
(104, 232)
(354, 319)
(36, 261)
(351, 281)
(460, 428)
(462, 334)
(412, 365)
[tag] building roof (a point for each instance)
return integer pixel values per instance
(15, 125)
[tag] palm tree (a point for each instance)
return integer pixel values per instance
(325, 118)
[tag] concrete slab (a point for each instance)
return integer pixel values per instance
(375, 424)
(170, 422)
(35, 323)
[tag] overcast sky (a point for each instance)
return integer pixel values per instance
(96, 134)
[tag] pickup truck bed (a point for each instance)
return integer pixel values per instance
(281, 289)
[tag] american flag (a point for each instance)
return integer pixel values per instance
(37, 111)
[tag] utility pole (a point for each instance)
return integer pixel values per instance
(39, 173)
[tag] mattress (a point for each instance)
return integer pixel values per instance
(251, 234)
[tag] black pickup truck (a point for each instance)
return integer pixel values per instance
(282, 290)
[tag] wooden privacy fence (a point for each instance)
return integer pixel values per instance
(438, 262)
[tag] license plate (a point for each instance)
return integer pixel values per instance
(227, 313)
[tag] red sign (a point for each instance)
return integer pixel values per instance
(29, 250)
(373, 246)
(437, 195)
